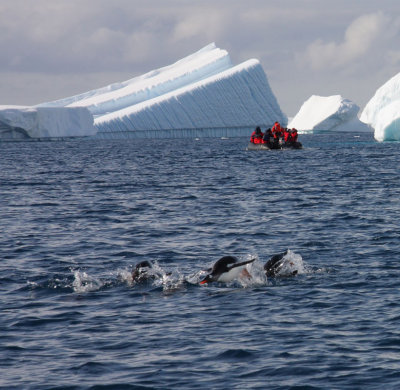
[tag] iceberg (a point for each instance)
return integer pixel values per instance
(24, 122)
(206, 62)
(387, 123)
(235, 98)
(332, 113)
(382, 112)
(203, 94)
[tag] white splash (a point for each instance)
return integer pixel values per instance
(293, 262)
(84, 283)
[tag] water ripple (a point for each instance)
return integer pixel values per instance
(77, 216)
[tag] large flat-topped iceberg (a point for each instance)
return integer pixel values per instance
(206, 62)
(332, 113)
(202, 94)
(236, 98)
(382, 112)
(24, 122)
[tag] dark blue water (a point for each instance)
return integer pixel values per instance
(76, 216)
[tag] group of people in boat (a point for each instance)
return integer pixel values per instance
(275, 137)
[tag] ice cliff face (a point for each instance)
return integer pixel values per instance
(332, 113)
(200, 95)
(237, 97)
(382, 112)
(20, 122)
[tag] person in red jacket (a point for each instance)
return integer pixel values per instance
(276, 128)
(287, 135)
(257, 136)
(277, 134)
(294, 135)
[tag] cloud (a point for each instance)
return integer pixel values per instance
(193, 25)
(75, 45)
(360, 38)
(393, 57)
(75, 36)
(71, 36)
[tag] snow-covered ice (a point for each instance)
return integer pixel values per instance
(23, 122)
(202, 94)
(387, 123)
(206, 62)
(237, 97)
(331, 113)
(382, 112)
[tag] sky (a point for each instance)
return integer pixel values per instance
(52, 49)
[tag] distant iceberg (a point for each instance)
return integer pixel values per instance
(202, 94)
(26, 122)
(387, 123)
(382, 112)
(332, 113)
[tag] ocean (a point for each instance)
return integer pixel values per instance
(77, 216)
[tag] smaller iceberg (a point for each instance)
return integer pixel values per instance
(24, 122)
(382, 112)
(387, 123)
(332, 113)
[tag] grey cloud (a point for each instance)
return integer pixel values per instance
(96, 40)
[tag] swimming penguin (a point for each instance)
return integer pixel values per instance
(226, 269)
(276, 263)
(141, 272)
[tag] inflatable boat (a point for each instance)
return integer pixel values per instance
(292, 145)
